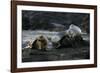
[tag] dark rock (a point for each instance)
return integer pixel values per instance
(76, 41)
(65, 41)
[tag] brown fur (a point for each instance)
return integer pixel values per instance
(40, 43)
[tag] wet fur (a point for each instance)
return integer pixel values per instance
(40, 43)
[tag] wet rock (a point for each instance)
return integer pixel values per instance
(76, 41)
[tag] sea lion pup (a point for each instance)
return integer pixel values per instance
(40, 43)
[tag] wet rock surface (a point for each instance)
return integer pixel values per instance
(73, 53)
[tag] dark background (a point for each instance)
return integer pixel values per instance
(54, 21)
